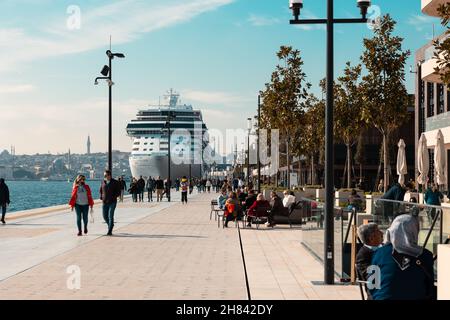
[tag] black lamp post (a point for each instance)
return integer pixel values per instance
(296, 6)
(258, 143)
(169, 158)
(249, 127)
(107, 75)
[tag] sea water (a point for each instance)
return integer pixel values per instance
(25, 195)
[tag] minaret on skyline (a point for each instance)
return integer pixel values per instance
(89, 145)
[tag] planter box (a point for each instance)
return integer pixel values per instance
(320, 195)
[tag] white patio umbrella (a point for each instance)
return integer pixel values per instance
(423, 160)
(440, 165)
(402, 167)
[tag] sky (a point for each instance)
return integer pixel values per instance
(217, 53)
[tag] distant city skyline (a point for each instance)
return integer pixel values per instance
(217, 53)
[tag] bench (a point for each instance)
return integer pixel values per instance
(294, 215)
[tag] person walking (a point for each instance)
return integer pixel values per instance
(208, 185)
(150, 188)
(184, 189)
(81, 201)
(123, 187)
(109, 192)
(433, 197)
(191, 186)
(159, 189)
(4, 198)
(141, 188)
(134, 190)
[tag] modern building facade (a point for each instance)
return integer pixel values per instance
(432, 97)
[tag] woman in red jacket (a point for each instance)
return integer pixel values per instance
(259, 208)
(81, 200)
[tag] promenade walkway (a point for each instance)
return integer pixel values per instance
(159, 251)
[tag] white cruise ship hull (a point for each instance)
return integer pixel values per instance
(156, 166)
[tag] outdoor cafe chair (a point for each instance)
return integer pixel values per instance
(214, 209)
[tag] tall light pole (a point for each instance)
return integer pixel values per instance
(258, 143)
(297, 6)
(169, 158)
(107, 75)
(249, 129)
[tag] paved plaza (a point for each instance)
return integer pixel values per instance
(159, 251)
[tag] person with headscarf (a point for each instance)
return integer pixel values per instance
(402, 269)
(4, 199)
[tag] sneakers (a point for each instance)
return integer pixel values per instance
(3, 221)
(79, 234)
(85, 231)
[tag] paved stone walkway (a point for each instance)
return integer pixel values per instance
(160, 251)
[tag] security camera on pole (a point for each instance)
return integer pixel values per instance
(107, 75)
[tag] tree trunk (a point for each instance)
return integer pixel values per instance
(385, 161)
(313, 173)
(288, 165)
(349, 165)
(299, 172)
(343, 174)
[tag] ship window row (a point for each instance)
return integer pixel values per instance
(187, 119)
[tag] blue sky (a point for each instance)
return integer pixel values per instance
(217, 53)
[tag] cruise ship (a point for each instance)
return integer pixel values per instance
(150, 135)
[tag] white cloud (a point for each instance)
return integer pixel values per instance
(261, 21)
(421, 22)
(18, 88)
(124, 20)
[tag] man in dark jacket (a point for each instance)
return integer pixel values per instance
(397, 193)
(276, 209)
(159, 184)
(150, 188)
(141, 188)
(109, 192)
(4, 198)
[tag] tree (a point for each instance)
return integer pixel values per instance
(313, 138)
(286, 98)
(442, 53)
(385, 97)
(348, 120)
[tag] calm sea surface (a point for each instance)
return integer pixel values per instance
(40, 194)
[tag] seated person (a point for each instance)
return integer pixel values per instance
(222, 199)
(242, 195)
(289, 199)
(251, 198)
(276, 209)
(355, 201)
(232, 208)
(261, 205)
(406, 269)
(372, 238)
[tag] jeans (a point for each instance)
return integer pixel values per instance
(108, 214)
(3, 212)
(150, 195)
(184, 197)
(82, 214)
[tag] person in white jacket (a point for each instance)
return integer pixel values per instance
(288, 199)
